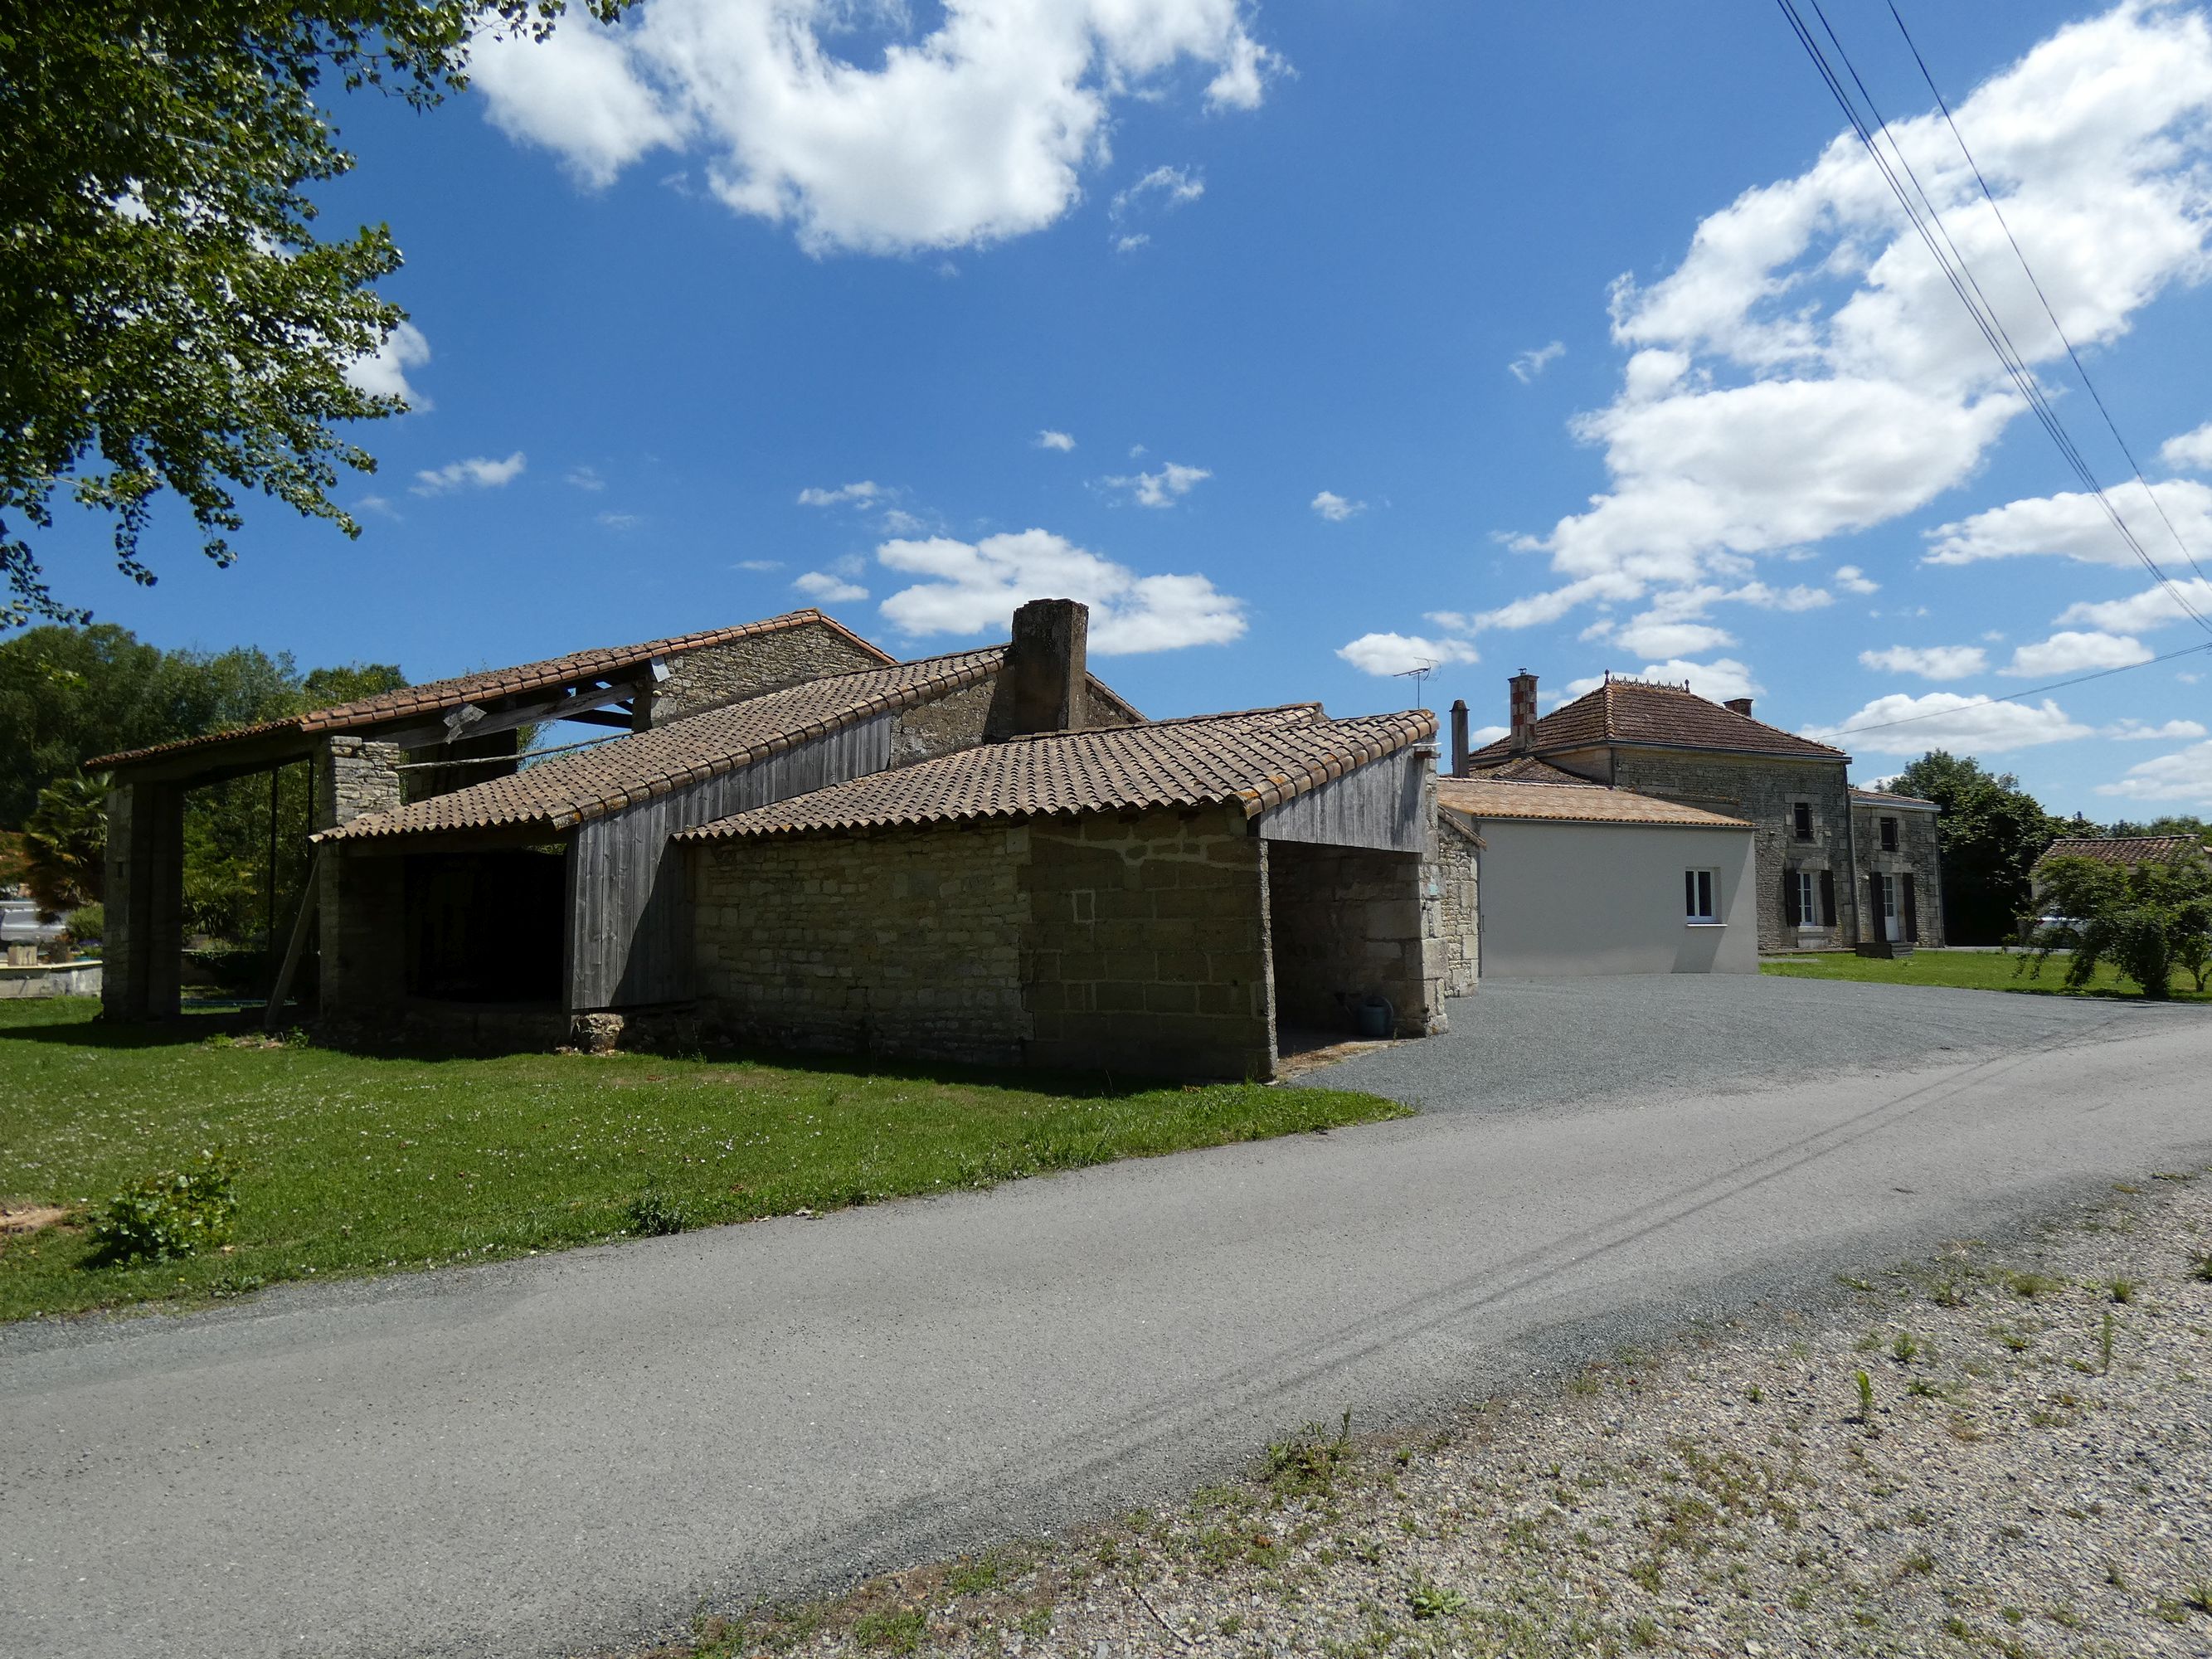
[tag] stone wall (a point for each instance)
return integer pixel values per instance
(356, 776)
(1454, 876)
(717, 674)
(144, 891)
(361, 905)
(1917, 855)
(1765, 790)
(1148, 944)
(907, 943)
(1347, 923)
(930, 729)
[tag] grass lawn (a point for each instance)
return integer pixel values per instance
(350, 1164)
(1972, 970)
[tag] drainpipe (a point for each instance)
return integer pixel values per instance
(1851, 847)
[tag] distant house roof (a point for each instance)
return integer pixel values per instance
(1624, 711)
(560, 792)
(1579, 802)
(1252, 760)
(1527, 768)
(437, 696)
(2126, 849)
(1884, 798)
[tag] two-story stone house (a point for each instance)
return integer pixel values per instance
(1837, 867)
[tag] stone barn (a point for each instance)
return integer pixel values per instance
(1190, 896)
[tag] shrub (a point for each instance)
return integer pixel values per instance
(652, 1213)
(168, 1214)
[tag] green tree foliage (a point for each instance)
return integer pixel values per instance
(2146, 920)
(65, 844)
(2170, 824)
(172, 319)
(1991, 833)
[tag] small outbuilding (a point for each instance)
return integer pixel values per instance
(1191, 897)
(1578, 879)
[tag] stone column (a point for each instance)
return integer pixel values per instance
(144, 898)
(358, 899)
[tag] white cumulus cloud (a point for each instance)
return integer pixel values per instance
(2183, 777)
(1163, 487)
(1049, 439)
(2072, 524)
(974, 586)
(1336, 509)
(1900, 724)
(475, 473)
(2071, 652)
(2191, 451)
(2131, 731)
(1930, 662)
(827, 589)
(1807, 370)
(1400, 653)
(2154, 607)
(860, 494)
(857, 126)
(383, 374)
(1852, 580)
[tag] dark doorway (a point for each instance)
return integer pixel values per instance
(486, 927)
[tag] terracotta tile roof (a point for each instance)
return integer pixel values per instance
(1257, 759)
(1884, 798)
(435, 697)
(1623, 711)
(1579, 802)
(2126, 849)
(1527, 768)
(567, 790)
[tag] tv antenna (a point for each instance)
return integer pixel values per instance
(1422, 668)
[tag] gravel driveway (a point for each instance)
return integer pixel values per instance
(1527, 1043)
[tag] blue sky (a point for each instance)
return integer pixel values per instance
(1372, 331)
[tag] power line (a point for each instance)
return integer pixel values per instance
(2020, 696)
(2058, 328)
(1926, 221)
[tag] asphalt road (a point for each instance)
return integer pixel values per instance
(568, 1453)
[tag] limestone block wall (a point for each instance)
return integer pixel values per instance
(361, 909)
(1454, 874)
(1917, 854)
(717, 674)
(930, 729)
(145, 893)
(907, 943)
(1148, 944)
(1765, 790)
(1346, 923)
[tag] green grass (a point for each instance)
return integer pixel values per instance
(1972, 970)
(353, 1164)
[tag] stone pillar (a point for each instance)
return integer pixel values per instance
(145, 898)
(1522, 709)
(358, 900)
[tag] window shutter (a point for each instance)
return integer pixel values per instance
(1871, 930)
(1792, 916)
(1911, 911)
(1827, 898)
(1689, 892)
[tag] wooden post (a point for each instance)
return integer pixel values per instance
(296, 948)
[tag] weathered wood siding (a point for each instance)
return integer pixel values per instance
(1380, 806)
(630, 939)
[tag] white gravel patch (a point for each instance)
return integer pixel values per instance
(2034, 1477)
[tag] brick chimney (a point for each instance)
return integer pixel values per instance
(1459, 738)
(1041, 688)
(1741, 705)
(1522, 709)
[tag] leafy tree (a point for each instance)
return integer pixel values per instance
(2146, 920)
(1990, 834)
(2168, 825)
(172, 320)
(65, 844)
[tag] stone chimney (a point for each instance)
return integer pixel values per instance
(1521, 710)
(1042, 687)
(1742, 705)
(1459, 738)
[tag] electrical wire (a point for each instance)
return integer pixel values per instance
(1927, 221)
(2020, 696)
(2058, 328)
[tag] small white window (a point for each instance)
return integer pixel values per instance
(1809, 898)
(1700, 888)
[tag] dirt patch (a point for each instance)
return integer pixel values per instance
(18, 1217)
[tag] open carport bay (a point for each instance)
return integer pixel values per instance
(1518, 1044)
